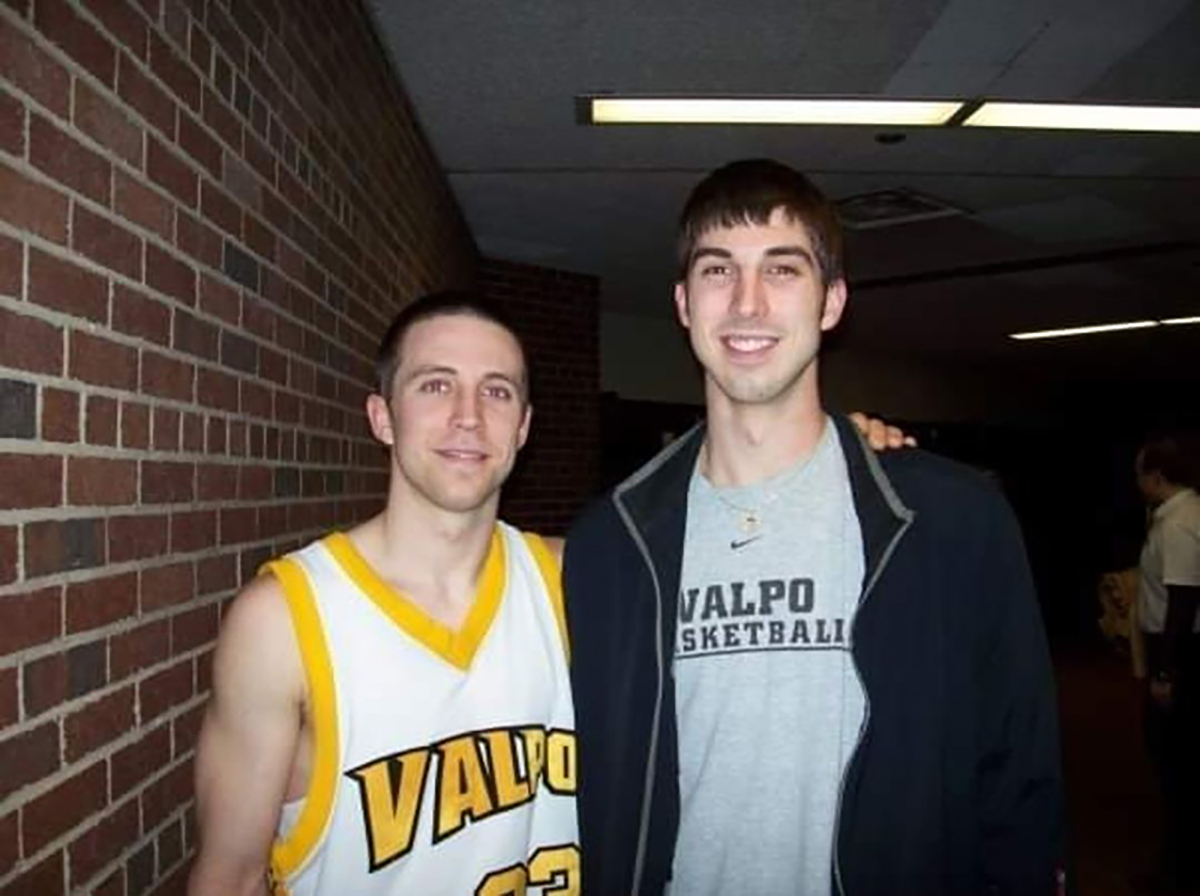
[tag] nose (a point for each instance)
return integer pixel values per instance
(749, 298)
(466, 410)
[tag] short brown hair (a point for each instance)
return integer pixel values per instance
(449, 303)
(747, 192)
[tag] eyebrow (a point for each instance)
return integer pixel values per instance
(431, 369)
(771, 252)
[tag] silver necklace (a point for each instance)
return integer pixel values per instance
(751, 520)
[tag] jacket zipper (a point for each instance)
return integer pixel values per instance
(862, 729)
(652, 754)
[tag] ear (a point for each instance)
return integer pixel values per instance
(835, 304)
(523, 432)
(681, 305)
(379, 415)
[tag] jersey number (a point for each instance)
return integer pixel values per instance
(556, 868)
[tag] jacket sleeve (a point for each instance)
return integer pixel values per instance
(1019, 778)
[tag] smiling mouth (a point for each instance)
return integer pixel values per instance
(462, 454)
(748, 345)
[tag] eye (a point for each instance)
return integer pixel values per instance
(715, 270)
(435, 386)
(500, 391)
(783, 271)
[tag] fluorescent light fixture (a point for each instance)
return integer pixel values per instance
(1181, 320)
(1078, 117)
(1080, 331)
(780, 110)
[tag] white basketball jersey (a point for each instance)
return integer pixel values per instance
(444, 760)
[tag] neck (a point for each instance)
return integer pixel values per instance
(748, 443)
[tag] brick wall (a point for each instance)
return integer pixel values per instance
(208, 212)
(558, 316)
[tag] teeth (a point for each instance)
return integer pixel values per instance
(748, 343)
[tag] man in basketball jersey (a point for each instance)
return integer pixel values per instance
(391, 711)
(799, 668)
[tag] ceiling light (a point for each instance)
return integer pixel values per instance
(779, 110)
(1080, 331)
(1181, 320)
(1067, 116)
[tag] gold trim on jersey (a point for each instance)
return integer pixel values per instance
(291, 852)
(552, 575)
(455, 647)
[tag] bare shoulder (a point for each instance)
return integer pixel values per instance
(257, 646)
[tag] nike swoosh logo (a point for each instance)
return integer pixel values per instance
(735, 545)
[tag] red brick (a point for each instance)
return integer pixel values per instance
(44, 879)
(94, 359)
(194, 336)
(81, 41)
(101, 425)
(31, 618)
(27, 343)
(134, 764)
(175, 22)
(62, 808)
(260, 158)
(159, 692)
(135, 425)
(101, 601)
(215, 574)
(58, 545)
(216, 435)
(30, 480)
(103, 843)
(273, 366)
(170, 851)
(29, 757)
(238, 524)
(67, 287)
(217, 390)
(12, 125)
(107, 243)
(140, 205)
(198, 240)
(123, 22)
(113, 885)
(166, 482)
(166, 429)
(219, 299)
(167, 377)
(166, 586)
(168, 274)
(171, 173)
(98, 723)
(151, 101)
(221, 119)
(199, 144)
(174, 71)
(259, 237)
(217, 482)
(9, 705)
(166, 795)
(193, 531)
(256, 400)
(33, 206)
(193, 432)
(8, 559)
(200, 50)
(45, 683)
(31, 69)
(139, 649)
(255, 483)
(12, 264)
(106, 124)
(68, 161)
(101, 481)
(10, 849)
(217, 207)
(136, 537)
(137, 314)
(193, 628)
(187, 728)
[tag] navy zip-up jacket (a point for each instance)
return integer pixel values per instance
(955, 785)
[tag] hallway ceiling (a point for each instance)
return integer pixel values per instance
(1056, 229)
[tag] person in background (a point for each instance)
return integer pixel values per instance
(1168, 598)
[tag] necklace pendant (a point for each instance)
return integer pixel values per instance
(751, 522)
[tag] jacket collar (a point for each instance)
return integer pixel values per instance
(655, 498)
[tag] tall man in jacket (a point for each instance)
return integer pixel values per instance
(799, 667)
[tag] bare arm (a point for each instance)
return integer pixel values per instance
(248, 743)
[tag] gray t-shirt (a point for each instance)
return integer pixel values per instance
(769, 704)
